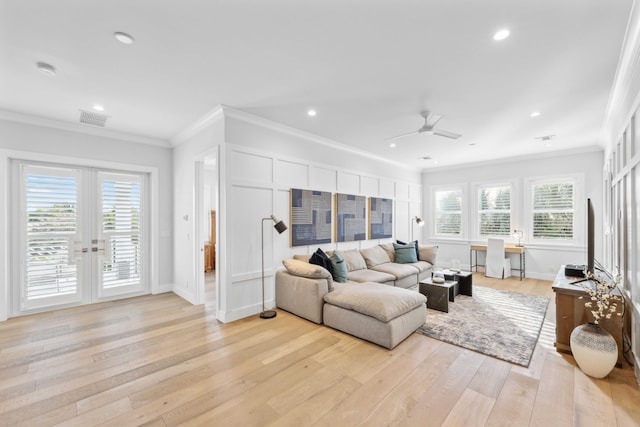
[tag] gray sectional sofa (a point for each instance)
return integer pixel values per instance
(379, 302)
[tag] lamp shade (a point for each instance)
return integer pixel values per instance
(280, 226)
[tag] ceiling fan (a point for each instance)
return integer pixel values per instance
(430, 121)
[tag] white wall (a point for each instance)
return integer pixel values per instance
(542, 261)
(187, 251)
(259, 164)
(622, 173)
(91, 150)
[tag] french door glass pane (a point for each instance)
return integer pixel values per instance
(121, 229)
(50, 203)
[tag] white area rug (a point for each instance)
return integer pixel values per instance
(498, 323)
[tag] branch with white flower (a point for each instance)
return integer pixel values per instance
(602, 300)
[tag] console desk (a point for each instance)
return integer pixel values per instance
(508, 249)
(571, 312)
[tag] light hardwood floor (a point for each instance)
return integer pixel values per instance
(159, 361)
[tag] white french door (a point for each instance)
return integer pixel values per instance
(82, 236)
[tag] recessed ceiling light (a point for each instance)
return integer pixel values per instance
(534, 114)
(392, 144)
(45, 68)
(424, 158)
(473, 143)
(98, 107)
(501, 35)
(123, 37)
(311, 113)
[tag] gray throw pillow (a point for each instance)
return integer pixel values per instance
(405, 254)
(339, 269)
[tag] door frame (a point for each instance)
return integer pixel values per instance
(199, 224)
(6, 239)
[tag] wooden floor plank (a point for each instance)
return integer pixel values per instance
(157, 360)
(554, 399)
(438, 400)
(514, 404)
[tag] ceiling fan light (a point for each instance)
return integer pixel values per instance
(45, 68)
(501, 35)
(124, 37)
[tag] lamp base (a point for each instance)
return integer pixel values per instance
(268, 314)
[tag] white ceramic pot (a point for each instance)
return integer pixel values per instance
(594, 349)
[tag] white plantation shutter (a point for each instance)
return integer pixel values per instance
(121, 229)
(448, 215)
(49, 218)
(494, 211)
(553, 210)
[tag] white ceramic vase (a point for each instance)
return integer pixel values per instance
(594, 349)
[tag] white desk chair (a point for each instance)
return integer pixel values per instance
(497, 265)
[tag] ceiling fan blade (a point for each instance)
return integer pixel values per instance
(402, 136)
(446, 133)
(431, 119)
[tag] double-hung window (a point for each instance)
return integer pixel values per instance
(553, 210)
(448, 212)
(494, 210)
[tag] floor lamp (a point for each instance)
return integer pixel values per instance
(280, 228)
(418, 221)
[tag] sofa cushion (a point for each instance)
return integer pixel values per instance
(339, 268)
(399, 271)
(321, 259)
(304, 269)
(428, 253)
(353, 260)
(304, 258)
(405, 253)
(374, 256)
(421, 265)
(367, 275)
(390, 250)
(382, 302)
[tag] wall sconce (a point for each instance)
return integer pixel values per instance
(418, 221)
(518, 235)
(280, 228)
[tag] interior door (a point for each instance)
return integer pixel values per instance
(82, 235)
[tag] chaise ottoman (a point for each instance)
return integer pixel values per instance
(382, 314)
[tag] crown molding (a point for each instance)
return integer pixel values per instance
(524, 157)
(279, 127)
(13, 116)
(200, 124)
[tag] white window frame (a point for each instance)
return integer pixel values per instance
(515, 213)
(579, 210)
(475, 208)
(462, 188)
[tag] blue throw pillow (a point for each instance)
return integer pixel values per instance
(339, 269)
(321, 259)
(405, 254)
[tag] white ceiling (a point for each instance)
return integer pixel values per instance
(367, 66)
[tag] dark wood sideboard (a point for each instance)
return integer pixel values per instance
(571, 312)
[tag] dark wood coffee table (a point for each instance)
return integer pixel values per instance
(439, 294)
(464, 279)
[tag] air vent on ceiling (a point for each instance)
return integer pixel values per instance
(545, 138)
(94, 119)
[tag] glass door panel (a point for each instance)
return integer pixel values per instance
(51, 237)
(120, 238)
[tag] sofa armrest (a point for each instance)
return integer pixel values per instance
(302, 296)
